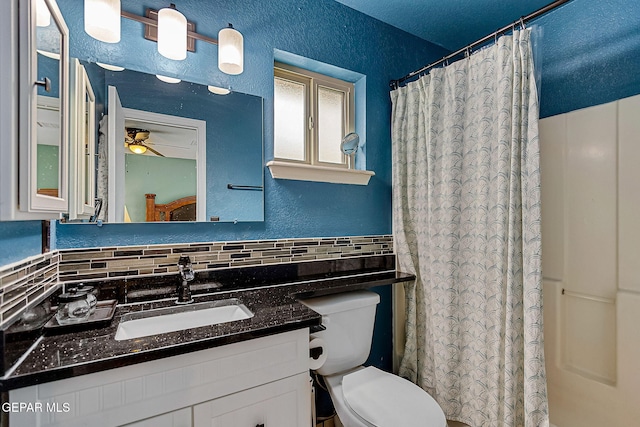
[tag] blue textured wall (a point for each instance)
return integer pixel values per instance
(19, 240)
(590, 54)
(322, 30)
(48, 67)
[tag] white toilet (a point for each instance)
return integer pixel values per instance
(365, 397)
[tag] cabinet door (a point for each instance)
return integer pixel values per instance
(44, 108)
(179, 418)
(34, 110)
(82, 144)
(115, 205)
(284, 403)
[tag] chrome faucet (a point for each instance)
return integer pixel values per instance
(186, 275)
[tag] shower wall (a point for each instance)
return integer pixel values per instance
(590, 161)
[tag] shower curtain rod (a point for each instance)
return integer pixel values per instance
(523, 20)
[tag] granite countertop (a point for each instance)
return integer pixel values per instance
(275, 308)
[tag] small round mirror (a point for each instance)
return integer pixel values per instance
(349, 144)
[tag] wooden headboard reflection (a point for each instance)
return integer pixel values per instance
(183, 209)
(53, 192)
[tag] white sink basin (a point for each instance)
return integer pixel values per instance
(170, 319)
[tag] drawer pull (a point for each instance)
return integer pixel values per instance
(259, 425)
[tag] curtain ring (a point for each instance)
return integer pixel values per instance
(522, 25)
(467, 52)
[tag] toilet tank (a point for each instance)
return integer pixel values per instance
(349, 319)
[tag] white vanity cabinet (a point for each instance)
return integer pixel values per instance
(259, 381)
(34, 110)
(277, 404)
(180, 418)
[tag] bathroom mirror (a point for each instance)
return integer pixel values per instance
(349, 147)
(159, 154)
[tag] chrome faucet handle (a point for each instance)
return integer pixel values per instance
(186, 274)
(185, 267)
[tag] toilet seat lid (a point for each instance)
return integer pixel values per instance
(386, 400)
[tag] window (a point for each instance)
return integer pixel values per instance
(312, 113)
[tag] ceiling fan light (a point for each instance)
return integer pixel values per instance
(43, 16)
(168, 79)
(137, 148)
(102, 20)
(172, 33)
(230, 51)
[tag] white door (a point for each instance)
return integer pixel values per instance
(116, 157)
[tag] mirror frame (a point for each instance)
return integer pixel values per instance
(29, 199)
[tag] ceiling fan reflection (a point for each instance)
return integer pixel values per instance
(136, 141)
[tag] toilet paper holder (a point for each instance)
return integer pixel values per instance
(317, 328)
(316, 352)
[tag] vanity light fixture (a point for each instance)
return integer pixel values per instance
(218, 90)
(230, 51)
(170, 28)
(43, 16)
(110, 67)
(172, 33)
(52, 55)
(166, 79)
(102, 20)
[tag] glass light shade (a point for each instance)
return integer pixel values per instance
(48, 54)
(43, 16)
(172, 34)
(109, 66)
(218, 90)
(102, 20)
(168, 79)
(137, 148)
(230, 51)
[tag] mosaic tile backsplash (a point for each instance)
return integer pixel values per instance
(102, 263)
(27, 282)
(22, 283)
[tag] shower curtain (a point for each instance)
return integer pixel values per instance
(466, 212)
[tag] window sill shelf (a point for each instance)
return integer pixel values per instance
(303, 172)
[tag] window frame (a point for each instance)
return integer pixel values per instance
(312, 81)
